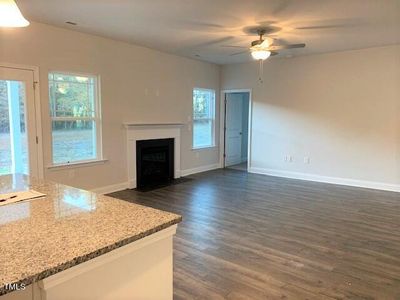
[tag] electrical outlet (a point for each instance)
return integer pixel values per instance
(306, 160)
(288, 158)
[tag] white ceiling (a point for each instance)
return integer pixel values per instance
(200, 27)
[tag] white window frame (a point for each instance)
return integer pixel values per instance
(96, 119)
(213, 108)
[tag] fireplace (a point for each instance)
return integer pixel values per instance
(154, 162)
(151, 131)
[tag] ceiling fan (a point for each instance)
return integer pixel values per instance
(262, 48)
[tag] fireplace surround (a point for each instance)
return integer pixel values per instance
(151, 131)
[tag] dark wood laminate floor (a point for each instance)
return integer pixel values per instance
(247, 236)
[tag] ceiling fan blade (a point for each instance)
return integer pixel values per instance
(196, 47)
(209, 24)
(273, 53)
(203, 24)
(237, 53)
(279, 41)
(216, 41)
(334, 23)
(323, 27)
(280, 47)
(232, 46)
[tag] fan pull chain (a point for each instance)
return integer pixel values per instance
(261, 71)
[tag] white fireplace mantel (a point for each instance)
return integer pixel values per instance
(152, 125)
(148, 131)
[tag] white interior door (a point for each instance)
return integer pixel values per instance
(233, 129)
(18, 147)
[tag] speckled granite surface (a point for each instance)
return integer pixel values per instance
(69, 226)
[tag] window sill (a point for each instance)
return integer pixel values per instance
(204, 148)
(77, 164)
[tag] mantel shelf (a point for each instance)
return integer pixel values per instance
(130, 125)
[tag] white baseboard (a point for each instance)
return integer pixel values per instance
(200, 169)
(271, 172)
(131, 184)
(110, 188)
(327, 179)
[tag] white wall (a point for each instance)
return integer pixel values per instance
(126, 72)
(342, 110)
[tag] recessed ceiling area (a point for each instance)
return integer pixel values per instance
(201, 29)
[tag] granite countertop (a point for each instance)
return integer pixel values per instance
(44, 236)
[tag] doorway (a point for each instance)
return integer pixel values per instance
(236, 129)
(18, 138)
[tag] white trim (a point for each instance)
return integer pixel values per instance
(38, 111)
(222, 125)
(77, 164)
(72, 73)
(126, 185)
(111, 188)
(108, 257)
(151, 125)
(203, 148)
(38, 116)
(200, 169)
(97, 118)
(327, 179)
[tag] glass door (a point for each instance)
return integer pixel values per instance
(18, 148)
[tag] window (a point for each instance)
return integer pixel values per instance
(75, 117)
(203, 118)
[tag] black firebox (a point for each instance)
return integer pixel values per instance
(154, 162)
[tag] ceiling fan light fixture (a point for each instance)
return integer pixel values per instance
(260, 54)
(10, 15)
